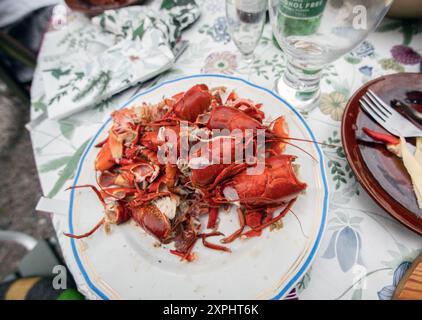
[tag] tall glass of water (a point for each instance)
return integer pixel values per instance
(246, 19)
(314, 33)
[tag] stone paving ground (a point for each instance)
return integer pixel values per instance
(20, 188)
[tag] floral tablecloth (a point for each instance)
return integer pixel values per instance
(364, 251)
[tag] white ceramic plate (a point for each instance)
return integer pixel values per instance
(125, 264)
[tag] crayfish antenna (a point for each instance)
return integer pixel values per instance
(94, 188)
(101, 143)
(98, 192)
(87, 234)
(188, 256)
(273, 220)
(239, 231)
(210, 245)
(301, 149)
(283, 138)
(300, 224)
(312, 141)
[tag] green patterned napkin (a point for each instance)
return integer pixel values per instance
(126, 46)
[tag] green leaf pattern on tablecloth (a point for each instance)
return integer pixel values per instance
(39, 104)
(273, 67)
(58, 72)
(336, 161)
(68, 171)
(78, 39)
(170, 4)
(99, 83)
(67, 128)
(55, 164)
(304, 281)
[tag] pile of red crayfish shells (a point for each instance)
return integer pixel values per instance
(168, 186)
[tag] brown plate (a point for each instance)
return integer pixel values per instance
(84, 6)
(379, 172)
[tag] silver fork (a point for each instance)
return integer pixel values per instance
(387, 117)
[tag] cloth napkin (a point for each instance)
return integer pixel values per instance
(132, 45)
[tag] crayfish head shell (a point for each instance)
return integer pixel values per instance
(194, 102)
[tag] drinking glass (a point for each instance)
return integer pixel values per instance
(314, 33)
(246, 19)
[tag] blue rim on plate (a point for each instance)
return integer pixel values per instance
(287, 287)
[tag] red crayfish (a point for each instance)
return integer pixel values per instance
(168, 199)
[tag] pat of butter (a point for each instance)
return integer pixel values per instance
(413, 164)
